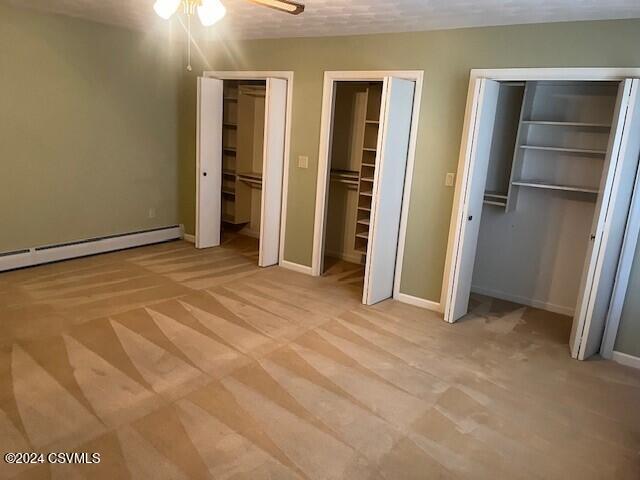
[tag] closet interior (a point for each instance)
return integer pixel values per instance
(354, 144)
(546, 162)
(242, 156)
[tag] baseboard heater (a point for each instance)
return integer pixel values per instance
(82, 248)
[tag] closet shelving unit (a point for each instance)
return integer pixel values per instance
(367, 167)
(242, 138)
(560, 143)
(354, 162)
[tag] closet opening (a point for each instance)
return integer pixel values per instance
(367, 134)
(354, 143)
(242, 159)
(241, 154)
(551, 181)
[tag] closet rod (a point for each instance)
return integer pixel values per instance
(345, 181)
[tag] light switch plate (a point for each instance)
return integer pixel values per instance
(450, 180)
(303, 161)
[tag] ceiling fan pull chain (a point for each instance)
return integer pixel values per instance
(189, 42)
(210, 11)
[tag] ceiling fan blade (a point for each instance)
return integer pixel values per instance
(286, 6)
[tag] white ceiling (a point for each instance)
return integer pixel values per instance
(346, 17)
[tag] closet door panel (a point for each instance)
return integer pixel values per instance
(209, 162)
(609, 223)
(272, 171)
(388, 188)
(484, 113)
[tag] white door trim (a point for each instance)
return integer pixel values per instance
(263, 75)
(515, 74)
(328, 90)
(533, 74)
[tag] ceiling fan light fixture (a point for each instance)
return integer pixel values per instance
(210, 11)
(166, 8)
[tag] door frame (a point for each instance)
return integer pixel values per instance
(464, 162)
(328, 95)
(264, 75)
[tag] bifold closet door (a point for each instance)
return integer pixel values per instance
(209, 162)
(388, 187)
(272, 171)
(610, 219)
(483, 114)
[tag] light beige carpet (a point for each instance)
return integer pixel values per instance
(178, 363)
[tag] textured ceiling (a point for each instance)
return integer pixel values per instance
(345, 17)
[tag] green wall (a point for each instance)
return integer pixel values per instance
(88, 129)
(97, 124)
(628, 340)
(446, 58)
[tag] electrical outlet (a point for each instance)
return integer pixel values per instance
(303, 161)
(450, 180)
(152, 213)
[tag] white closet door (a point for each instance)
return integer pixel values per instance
(484, 105)
(388, 187)
(209, 162)
(272, 171)
(607, 233)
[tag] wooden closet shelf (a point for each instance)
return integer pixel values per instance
(228, 191)
(367, 149)
(364, 221)
(367, 194)
(370, 165)
(553, 186)
(551, 123)
(364, 235)
(253, 179)
(252, 175)
(253, 91)
(367, 179)
(494, 203)
(495, 195)
(230, 125)
(350, 184)
(229, 149)
(231, 219)
(361, 249)
(373, 122)
(583, 151)
(345, 174)
(229, 173)
(364, 209)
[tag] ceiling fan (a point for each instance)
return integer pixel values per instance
(210, 11)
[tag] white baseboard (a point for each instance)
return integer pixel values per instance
(626, 359)
(550, 307)
(187, 237)
(82, 248)
(296, 267)
(419, 302)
